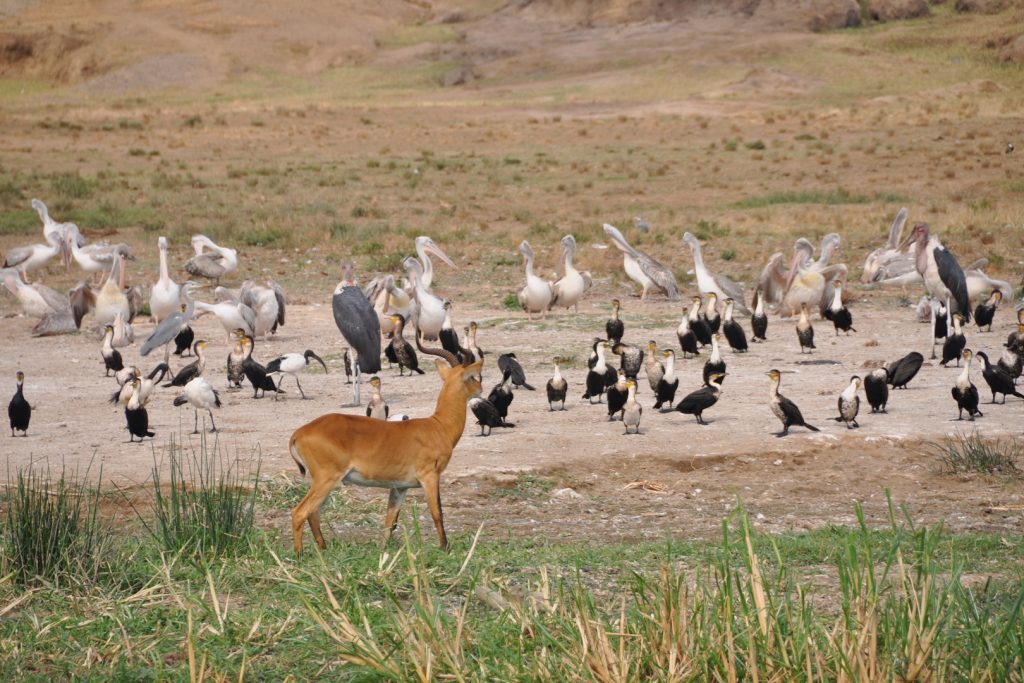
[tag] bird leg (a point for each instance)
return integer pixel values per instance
(300, 387)
(195, 413)
(214, 424)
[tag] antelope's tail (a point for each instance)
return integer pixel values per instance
(293, 448)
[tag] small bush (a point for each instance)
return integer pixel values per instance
(52, 528)
(204, 508)
(72, 186)
(963, 453)
(511, 302)
(756, 144)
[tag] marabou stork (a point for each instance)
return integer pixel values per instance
(357, 321)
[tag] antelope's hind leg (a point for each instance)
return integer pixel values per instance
(395, 500)
(308, 509)
(432, 490)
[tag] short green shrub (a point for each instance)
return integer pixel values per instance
(963, 453)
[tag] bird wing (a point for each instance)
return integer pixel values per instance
(55, 323)
(275, 365)
(659, 274)
(282, 300)
(164, 333)
(773, 279)
(58, 302)
(897, 229)
(205, 265)
(734, 291)
(790, 410)
(359, 325)
(83, 300)
(952, 275)
(17, 255)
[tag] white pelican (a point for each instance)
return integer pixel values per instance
(808, 279)
(424, 245)
(430, 312)
(232, 315)
(200, 395)
(165, 297)
(34, 256)
(642, 269)
(537, 295)
(889, 261)
(775, 275)
(37, 300)
(111, 300)
(573, 284)
(213, 265)
(93, 258)
(387, 300)
(267, 305)
(980, 285)
(723, 287)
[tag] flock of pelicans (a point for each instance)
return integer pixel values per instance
(374, 319)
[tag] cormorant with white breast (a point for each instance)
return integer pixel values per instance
(135, 414)
(696, 402)
(985, 312)
(964, 392)
(849, 404)
(710, 314)
(652, 366)
(501, 395)
(955, 343)
(600, 376)
(714, 363)
(687, 339)
(998, 381)
(759, 319)
(784, 409)
(614, 329)
(557, 388)
(838, 313)
(804, 330)
(732, 330)
(19, 412)
(698, 325)
(665, 390)
(617, 396)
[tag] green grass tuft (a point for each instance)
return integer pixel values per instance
(963, 453)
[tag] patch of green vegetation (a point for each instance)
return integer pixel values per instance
(408, 35)
(511, 302)
(110, 215)
(72, 186)
(962, 453)
(756, 144)
(264, 235)
(367, 248)
(706, 229)
(19, 222)
(526, 487)
(829, 197)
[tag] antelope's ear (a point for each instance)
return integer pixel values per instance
(442, 367)
(476, 367)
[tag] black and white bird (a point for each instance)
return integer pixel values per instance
(632, 410)
(146, 385)
(292, 364)
(135, 414)
(714, 363)
(905, 369)
(600, 376)
(943, 276)
(617, 396)
(377, 407)
(732, 330)
(849, 403)
(696, 402)
(501, 395)
(837, 312)
(401, 350)
(955, 343)
(236, 359)
(784, 409)
(19, 412)
(448, 336)
(710, 313)
(964, 392)
(985, 311)
(613, 327)
(686, 336)
(876, 389)
(255, 372)
(1009, 147)
(698, 324)
(509, 362)
(193, 369)
(111, 356)
(804, 330)
(759, 319)
(201, 396)
(668, 384)
(557, 388)
(359, 325)
(652, 366)
(487, 415)
(998, 380)
(631, 358)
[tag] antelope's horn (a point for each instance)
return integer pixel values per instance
(442, 353)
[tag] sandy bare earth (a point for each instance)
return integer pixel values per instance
(803, 481)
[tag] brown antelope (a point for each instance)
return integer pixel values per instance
(398, 456)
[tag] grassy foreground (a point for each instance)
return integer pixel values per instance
(151, 603)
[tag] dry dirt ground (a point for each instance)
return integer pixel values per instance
(575, 465)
